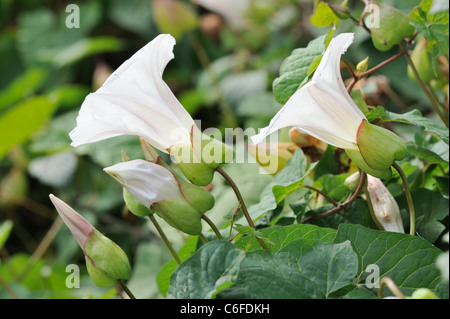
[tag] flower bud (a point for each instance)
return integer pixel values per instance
(423, 293)
(352, 182)
(363, 65)
(422, 62)
(105, 261)
(385, 207)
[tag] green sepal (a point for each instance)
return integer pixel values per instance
(378, 146)
(135, 206)
(190, 165)
(199, 160)
(356, 157)
(105, 261)
(196, 196)
(180, 215)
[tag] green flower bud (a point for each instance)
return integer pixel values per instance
(106, 262)
(352, 182)
(363, 65)
(422, 62)
(423, 293)
(135, 206)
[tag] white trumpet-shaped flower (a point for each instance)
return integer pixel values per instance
(324, 109)
(148, 182)
(135, 100)
(179, 203)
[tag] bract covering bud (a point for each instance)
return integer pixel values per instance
(199, 159)
(385, 207)
(377, 158)
(106, 262)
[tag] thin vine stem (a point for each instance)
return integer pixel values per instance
(386, 281)
(203, 238)
(164, 238)
(340, 206)
(8, 288)
(125, 289)
(357, 77)
(412, 214)
(430, 95)
(242, 204)
(328, 197)
(213, 226)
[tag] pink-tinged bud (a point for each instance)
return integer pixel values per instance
(105, 261)
(77, 224)
(385, 207)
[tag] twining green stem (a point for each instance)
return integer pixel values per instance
(242, 204)
(125, 289)
(8, 288)
(412, 214)
(203, 238)
(328, 197)
(213, 226)
(357, 77)
(339, 207)
(386, 281)
(164, 238)
(429, 94)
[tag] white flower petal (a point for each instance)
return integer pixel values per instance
(135, 100)
(322, 107)
(147, 182)
(77, 224)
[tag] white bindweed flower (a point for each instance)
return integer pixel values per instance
(135, 100)
(148, 182)
(385, 207)
(179, 203)
(324, 109)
